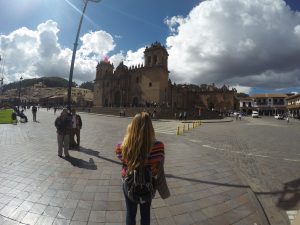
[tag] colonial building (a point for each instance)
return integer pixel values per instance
(293, 105)
(149, 84)
(265, 104)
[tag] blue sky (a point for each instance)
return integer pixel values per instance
(220, 41)
(135, 23)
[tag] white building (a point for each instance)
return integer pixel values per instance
(265, 104)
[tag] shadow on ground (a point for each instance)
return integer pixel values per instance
(80, 163)
(288, 198)
(95, 153)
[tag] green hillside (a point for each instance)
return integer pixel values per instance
(47, 81)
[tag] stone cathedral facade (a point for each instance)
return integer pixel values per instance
(149, 83)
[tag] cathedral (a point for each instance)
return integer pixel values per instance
(148, 84)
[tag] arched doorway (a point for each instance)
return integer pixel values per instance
(117, 98)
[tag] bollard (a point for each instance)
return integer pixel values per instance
(183, 127)
(188, 127)
(178, 131)
(193, 125)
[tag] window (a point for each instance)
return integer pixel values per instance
(149, 59)
(150, 84)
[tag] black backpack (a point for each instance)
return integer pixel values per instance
(140, 186)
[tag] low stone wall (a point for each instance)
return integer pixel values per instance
(161, 113)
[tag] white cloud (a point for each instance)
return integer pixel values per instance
(131, 58)
(96, 44)
(37, 53)
(242, 89)
(241, 43)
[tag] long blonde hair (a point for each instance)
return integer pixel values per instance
(138, 141)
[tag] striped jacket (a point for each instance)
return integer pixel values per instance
(156, 161)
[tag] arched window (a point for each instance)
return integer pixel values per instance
(150, 84)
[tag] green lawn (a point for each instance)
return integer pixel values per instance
(5, 116)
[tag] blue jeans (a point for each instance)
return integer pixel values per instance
(132, 210)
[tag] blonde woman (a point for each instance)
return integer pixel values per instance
(140, 149)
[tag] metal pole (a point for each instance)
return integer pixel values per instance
(20, 93)
(74, 54)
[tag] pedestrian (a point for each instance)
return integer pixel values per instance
(240, 116)
(154, 114)
(63, 124)
(34, 110)
(138, 152)
(76, 127)
(180, 116)
(184, 115)
(287, 119)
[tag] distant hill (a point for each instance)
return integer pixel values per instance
(47, 81)
(87, 85)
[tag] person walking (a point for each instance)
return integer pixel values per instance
(140, 150)
(76, 127)
(34, 110)
(63, 124)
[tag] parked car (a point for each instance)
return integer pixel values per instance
(255, 114)
(279, 117)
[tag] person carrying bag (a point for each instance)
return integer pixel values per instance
(142, 157)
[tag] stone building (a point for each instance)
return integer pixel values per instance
(149, 84)
(293, 105)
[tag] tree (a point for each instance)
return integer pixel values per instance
(87, 85)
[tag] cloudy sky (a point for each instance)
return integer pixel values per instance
(253, 45)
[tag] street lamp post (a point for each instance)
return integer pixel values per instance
(74, 52)
(21, 78)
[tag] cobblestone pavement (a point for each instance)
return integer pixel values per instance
(266, 153)
(38, 187)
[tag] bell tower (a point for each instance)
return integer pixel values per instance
(103, 69)
(156, 55)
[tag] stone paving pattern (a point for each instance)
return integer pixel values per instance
(38, 187)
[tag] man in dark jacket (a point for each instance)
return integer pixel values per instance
(34, 110)
(76, 127)
(63, 124)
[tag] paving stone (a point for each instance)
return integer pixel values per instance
(66, 213)
(45, 220)
(30, 218)
(81, 215)
(97, 216)
(183, 219)
(61, 222)
(113, 216)
(51, 211)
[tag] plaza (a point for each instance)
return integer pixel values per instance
(234, 172)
